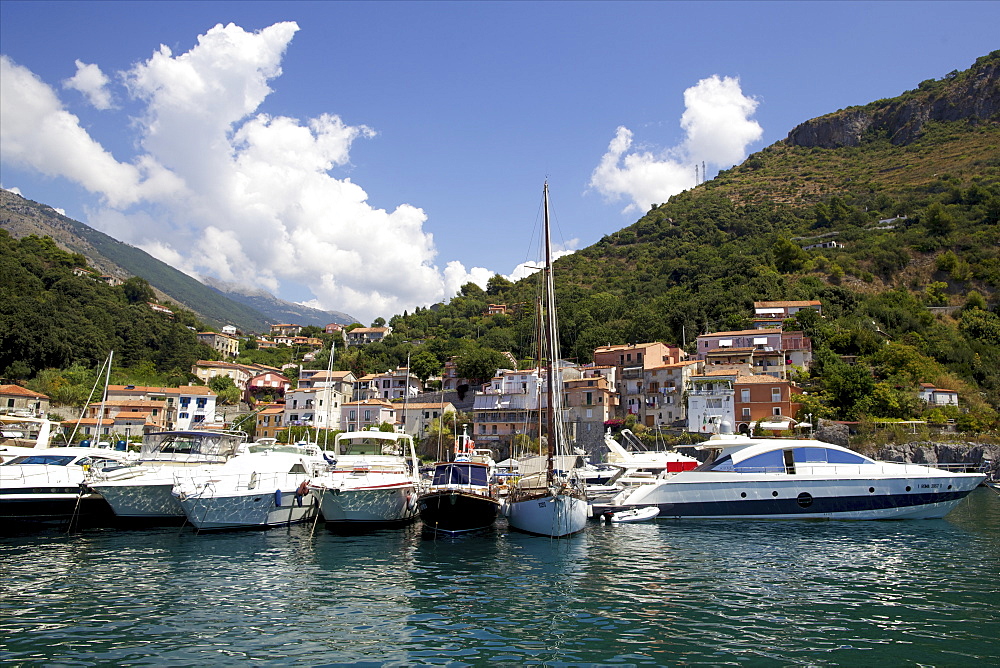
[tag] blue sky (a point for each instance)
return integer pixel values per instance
(372, 157)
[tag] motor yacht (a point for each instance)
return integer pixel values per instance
(143, 491)
(372, 478)
(264, 487)
(798, 478)
(47, 484)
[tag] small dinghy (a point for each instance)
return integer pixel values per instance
(634, 515)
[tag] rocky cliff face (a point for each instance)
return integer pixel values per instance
(932, 454)
(973, 95)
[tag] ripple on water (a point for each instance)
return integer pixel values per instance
(715, 593)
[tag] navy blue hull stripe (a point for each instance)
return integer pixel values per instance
(821, 505)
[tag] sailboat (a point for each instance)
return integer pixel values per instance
(549, 503)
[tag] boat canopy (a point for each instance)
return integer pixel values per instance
(373, 443)
(207, 444)
(461, 473)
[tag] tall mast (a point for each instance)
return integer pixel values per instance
(104, 398)
(551, 342)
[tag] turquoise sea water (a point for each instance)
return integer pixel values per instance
(813, 593)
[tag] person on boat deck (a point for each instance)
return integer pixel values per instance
(301, 492)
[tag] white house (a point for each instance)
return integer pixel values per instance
(937, 396)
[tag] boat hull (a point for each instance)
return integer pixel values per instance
(803, 498)
(553, 515)
(456, 511)
(152, 501)
(246, 510)
(386, 504)
(53, 505)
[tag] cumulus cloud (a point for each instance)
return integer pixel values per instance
(92, 82)
(37, 132)
(220, 188)
(718, 129)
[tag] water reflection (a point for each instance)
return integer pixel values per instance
(810, 593)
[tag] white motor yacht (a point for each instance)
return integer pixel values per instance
(798, 478)
(636, 465)
(143, 492)
(47, 484)
(373, 478)
(265, 487)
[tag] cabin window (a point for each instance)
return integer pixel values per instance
(766, 462)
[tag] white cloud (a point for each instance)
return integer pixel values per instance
(36, 132)
(12, 189)
(220, 188)
(92, 82)
(718, 131)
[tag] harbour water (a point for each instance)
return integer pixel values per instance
(813, 593)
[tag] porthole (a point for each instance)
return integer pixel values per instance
(871, 489)
(949, 486)
(907, 488)
(743, 495)
(774, 494)
(804, 499)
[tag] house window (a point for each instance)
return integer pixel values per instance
(590, 412)
(590, 399)
(368, 415)
(353, 416)
(185, 401)
(482, 429)
(10, 403)
(777, 410)
(183, 416)
(201, 403)
(746, 413)
(775, 394)
(745, 396)
(494, 428)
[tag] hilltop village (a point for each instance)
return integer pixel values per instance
(742, 377)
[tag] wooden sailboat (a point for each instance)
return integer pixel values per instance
(549, 503)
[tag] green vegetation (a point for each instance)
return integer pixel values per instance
(909, 292)
(52, 319)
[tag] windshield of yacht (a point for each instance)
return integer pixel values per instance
(51, 460)
(189, 443)
(773, 461)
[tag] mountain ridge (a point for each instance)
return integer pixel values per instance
(213, 304)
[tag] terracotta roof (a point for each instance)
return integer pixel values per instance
(425, 405)
(631, 346)
(744, 332)
(759, 379)
(813, 302)
(17, 390)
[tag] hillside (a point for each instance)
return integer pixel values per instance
(904, 192)
(217, 305)
(908, 188)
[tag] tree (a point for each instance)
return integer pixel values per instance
(425, 364)
(938, 220)
(378, 322)
(480, 364)
(226, 389)
(497, 285)
(137, 290)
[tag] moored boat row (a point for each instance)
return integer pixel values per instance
(372, 478)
